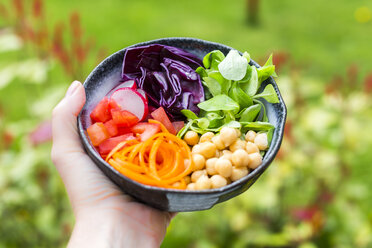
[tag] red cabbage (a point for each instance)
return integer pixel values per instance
(167, 75)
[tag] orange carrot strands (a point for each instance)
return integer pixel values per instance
(128, 165)
(134, 151)
(152, 159)
(119, 146)
(163, 160)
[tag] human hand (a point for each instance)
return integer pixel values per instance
(105, 217)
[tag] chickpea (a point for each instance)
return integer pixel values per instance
(218, 142)
(206, 137)
(218, 181)
(256, 160)
(238, 172)
(210, 166)
(250, 135)
(187, 179)
(191, 186)
(203, 183)
(199, 161)
(226, 152)
(240, 158)
(227, 156)
(196, 149)
(176, 184)
(251, 147)
(218, 153)
(228, 135)
(261, 141)
(207, 149)
(196, 174)
(238, 144)
(238, 133)
(191, 138)
(223, 167)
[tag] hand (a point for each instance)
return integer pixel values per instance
(105, 217)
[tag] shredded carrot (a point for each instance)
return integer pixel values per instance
(163, 160)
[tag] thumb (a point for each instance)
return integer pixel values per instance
(83, 180)
(64, 127)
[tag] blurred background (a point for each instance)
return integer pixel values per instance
(317, 193)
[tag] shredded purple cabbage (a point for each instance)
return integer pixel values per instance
(167, 75)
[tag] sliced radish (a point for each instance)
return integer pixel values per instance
(132, 101)
(131, 84)
(143, 93)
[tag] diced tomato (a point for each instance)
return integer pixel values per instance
(114, 105)
(160, 115)
(106, 146)
(178, 125)
(111, 127)
(146, 130)
(97, 133)
(124, 130)
(101, 113)
(123, 118)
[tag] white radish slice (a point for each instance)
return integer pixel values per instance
(143, 93)
(132, 101)
(131, 84)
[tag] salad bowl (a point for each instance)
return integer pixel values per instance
(106, 76)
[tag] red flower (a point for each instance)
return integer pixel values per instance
(41, 133)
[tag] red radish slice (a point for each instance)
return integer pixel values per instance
(131, 84)
(143, 93)
(132, 101)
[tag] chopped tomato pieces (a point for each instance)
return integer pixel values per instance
(123, 118)
(111, 127)
(113, 105)
(106, 146)
(101, 113)
(98, 133)
(160, 115)
(146, 130)
(178, 125)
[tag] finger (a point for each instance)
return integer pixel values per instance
(64, 127)
(79, 174)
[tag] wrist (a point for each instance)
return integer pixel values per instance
(95, 231)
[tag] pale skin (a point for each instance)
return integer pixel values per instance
(105, 216)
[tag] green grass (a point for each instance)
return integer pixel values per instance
(325, 37)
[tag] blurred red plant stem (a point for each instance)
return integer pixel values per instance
(368, 84)
(48, 45)
(280, 59)
(6, 139)
(253, 12)
(4, 12)
(58, 48)
(37, 8)
(19, 8)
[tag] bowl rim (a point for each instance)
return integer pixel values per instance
(267, 159)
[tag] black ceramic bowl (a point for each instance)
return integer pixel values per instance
(107, 75)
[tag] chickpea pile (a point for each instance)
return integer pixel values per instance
(223, 158)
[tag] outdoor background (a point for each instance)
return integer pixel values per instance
(317, 193)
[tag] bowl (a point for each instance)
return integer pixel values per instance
(107, 75)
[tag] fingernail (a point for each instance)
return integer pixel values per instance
(72, 88)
